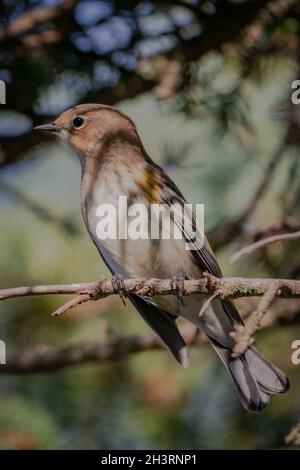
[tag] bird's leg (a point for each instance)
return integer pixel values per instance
(177, 281)
(118, 285)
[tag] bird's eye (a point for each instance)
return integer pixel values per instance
(78, 122)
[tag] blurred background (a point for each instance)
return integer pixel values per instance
(209, 86)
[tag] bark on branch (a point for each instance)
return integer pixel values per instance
(229, 288)
(46, 359)
(210, 286)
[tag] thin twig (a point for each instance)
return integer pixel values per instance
(293, 437)
(243, 334)
(207, 303)
(262, 243)
(80, 299)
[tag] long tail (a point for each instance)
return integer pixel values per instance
(255, 377)
(268, 378)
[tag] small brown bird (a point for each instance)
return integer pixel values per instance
(114, 163)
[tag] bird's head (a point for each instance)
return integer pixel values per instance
(90, 129)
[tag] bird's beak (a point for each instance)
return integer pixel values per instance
(48, 127)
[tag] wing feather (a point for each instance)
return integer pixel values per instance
(164, 326)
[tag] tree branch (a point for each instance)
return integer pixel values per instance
(224, 26)
(209, 285)
(263, 243)
(252, 34)
(35, 17)
(226, 288)
(43, 359)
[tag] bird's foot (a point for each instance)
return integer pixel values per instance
(177, 282)
(118, 285)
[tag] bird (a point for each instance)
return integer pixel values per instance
(115, 163)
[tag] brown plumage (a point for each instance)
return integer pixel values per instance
(114, 163)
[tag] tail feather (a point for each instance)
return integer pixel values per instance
(165, 326)
(252, 397)
(254, 376)
(270, 379)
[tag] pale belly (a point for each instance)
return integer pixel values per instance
(163, 259)
(149, 257)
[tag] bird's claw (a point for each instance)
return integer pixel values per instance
(118, 285)
(177, 281)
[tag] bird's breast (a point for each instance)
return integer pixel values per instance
(120, 221)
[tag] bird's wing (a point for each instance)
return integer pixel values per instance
(164, 326)
(202, 253)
